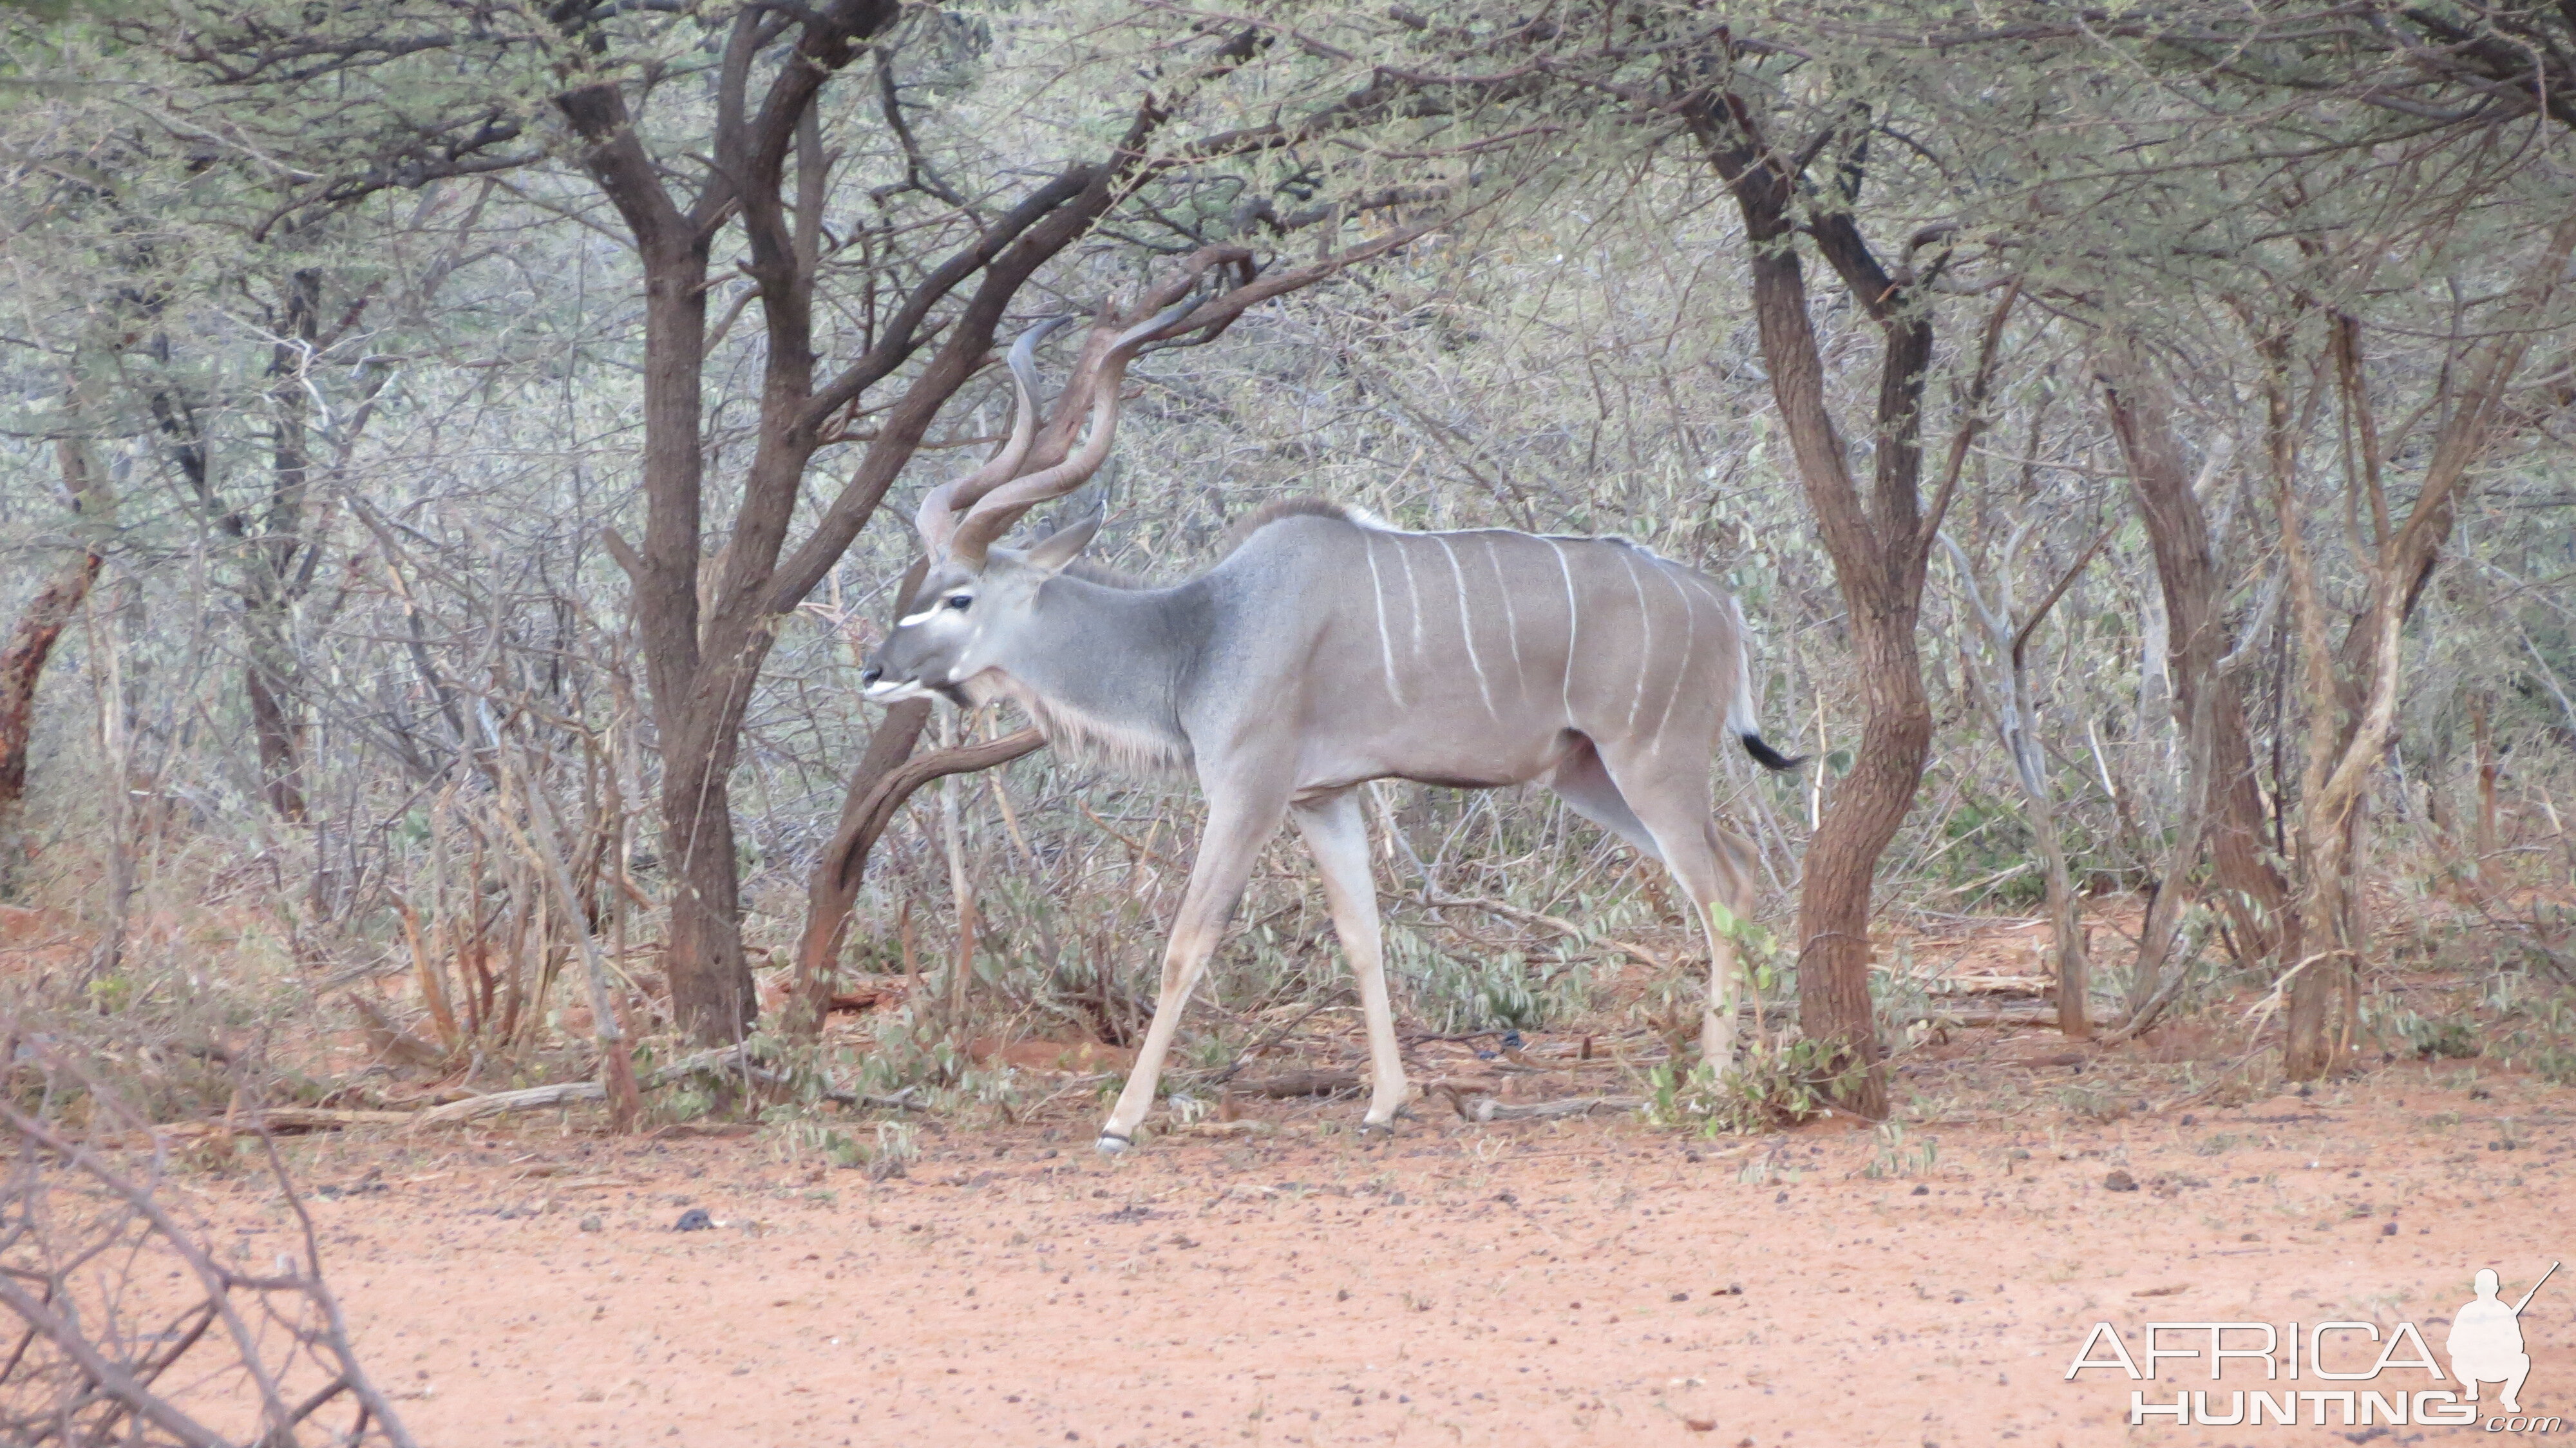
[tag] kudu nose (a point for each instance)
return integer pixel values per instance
(871, 674)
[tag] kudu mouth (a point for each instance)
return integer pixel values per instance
(877, 688)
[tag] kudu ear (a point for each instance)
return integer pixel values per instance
(1062, 547)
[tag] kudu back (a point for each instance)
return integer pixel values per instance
(1324, 651)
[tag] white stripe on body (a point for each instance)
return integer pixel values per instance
(1511, 616)
(1385, 644)
(1467, 625)
(1684, 581)
(1690, 641)
(1727, 609)
(1645, 643)
(1412, 596)
(1573, 628)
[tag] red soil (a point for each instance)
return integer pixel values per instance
(1590, 1281)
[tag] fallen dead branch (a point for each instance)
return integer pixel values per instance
(269, 1121)
(575, 1093)
(1993, 985)
(1299, 1083)
(570, 1093)
(2030, 1015)
(1477, 1106)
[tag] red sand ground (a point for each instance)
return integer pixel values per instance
(1590, 1281)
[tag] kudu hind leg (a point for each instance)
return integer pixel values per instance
(1337, 836)
(1235, 835)
(1675, 810)
(1584, 783)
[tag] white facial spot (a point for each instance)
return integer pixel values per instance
(908, 620)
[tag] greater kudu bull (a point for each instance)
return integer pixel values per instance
(1327, 650)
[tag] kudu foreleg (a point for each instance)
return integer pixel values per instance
(1235, 835)
(1337, 836)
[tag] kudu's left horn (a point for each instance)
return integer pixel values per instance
(941, 508)
(995, 506)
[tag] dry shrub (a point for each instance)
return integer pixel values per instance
(131, 1328)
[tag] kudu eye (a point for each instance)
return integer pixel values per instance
(960, 600)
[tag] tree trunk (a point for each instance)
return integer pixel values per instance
(1879, 548)
(22, 662)
(268, 679)
(30, 642)
(2352, 695)
(2006, 696)
(279, 556)
(884, 780)
(842, 868)
(1842, 858)
(2251, 891)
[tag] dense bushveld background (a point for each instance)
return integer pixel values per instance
(454, 457)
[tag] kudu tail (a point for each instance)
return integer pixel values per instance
(1739, 712)
(1766, 756)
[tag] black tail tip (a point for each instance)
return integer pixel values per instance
(1768, 757)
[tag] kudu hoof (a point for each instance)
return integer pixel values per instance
(1112, 1144)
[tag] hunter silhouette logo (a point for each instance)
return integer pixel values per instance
(2486, 1340)
(2485, 1346)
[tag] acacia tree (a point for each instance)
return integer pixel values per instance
(1880, 542)
(2409, 126)
(2350, 687)
(2208, 696)
(244, 347)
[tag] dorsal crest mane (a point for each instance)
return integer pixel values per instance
(1278, 508)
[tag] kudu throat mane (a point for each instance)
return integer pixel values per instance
(1120, 745)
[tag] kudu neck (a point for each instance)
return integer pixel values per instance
(1112, 655)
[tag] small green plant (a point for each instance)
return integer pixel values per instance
(2428, 1038)
(895, 1147)
(111, 993)
(1509, 991)
(1779, 1082)
(1895, 1158)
